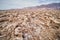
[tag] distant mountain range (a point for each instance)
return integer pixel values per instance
(51, 6)
(47, 6)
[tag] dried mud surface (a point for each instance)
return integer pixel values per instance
(40, 24)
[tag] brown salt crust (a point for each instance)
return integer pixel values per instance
(39, 24)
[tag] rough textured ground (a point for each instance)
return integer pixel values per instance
(39, 24)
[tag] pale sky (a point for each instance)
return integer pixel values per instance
(13, 4)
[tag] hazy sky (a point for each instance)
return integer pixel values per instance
(12, 4)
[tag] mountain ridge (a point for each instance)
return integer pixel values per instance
(47, 6)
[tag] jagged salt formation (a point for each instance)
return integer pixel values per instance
(30, 25)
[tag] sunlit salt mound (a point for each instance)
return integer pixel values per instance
(27, 24)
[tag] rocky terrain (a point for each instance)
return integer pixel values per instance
(39, 24)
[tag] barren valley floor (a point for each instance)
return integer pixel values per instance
(27, 24)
